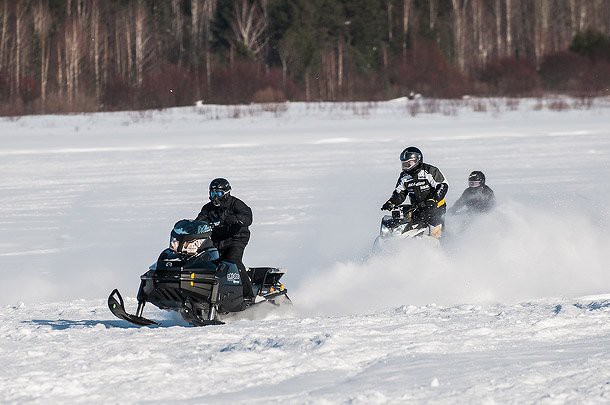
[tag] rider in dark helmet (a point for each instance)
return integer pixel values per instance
(478, 197)
(231, 218)
(423, 186)
(219, 191)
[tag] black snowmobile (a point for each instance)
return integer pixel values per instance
(404, 222)
(190, 278)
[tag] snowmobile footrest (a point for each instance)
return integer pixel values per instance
(117, 307)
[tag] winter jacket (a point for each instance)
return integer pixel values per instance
(475, 199)
(234, 217)
(422, 185)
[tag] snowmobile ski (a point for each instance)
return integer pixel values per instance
(117, 307)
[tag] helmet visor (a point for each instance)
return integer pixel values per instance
(410, 163)
(474, 183)
(217, 193)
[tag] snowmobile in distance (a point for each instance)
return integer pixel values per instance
(404, 222)
(190, 278)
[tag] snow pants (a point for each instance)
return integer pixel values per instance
(434, 216)
(235, 254)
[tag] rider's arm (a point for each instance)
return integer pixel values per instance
(204, 214)
(459, 204)
(242, 213)
(438, 182)
(400, 193)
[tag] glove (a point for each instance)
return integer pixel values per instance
(387, 206)
(427, 203)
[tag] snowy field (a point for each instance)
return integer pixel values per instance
(514, 310)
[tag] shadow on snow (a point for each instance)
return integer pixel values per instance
(63, 324)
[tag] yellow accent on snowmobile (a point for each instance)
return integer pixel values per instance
(440, 203)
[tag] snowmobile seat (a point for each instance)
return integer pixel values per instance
(264, 276)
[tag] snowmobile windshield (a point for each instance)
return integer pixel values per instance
(474, 183)
(190, 236)
(410, 163)
(193, 228)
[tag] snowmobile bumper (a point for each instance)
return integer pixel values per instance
(172, 289)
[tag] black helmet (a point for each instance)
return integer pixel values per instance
(411, 159)
(476, 179)
(219, 190)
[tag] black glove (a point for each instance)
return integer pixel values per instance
(429, 203)
(387, 206)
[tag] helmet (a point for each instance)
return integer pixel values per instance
(411, 159)
(219, 190)
(476, 179)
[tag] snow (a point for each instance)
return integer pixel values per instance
(514, 309)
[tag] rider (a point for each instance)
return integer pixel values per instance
(231, 217)
(478, 197)
(422, 186)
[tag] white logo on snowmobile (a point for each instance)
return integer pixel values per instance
(234, 278)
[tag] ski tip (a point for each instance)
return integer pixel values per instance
(117, 307)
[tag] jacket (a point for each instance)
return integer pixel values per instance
(475, 199)
(234, 218)
(424, 184)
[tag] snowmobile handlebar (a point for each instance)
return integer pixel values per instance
(403, 208)
(399, 211)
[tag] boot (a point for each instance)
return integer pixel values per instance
(436, 231)
(248, 292)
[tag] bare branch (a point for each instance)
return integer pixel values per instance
(248, 25)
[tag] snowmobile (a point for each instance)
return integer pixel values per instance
(189, 277)
(404, 222)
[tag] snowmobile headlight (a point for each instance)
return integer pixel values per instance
(385, 230)
(173, 243)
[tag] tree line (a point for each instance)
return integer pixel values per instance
(92, 55)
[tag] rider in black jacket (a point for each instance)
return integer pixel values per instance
(231, 218)
(423, 186)
(477, 198)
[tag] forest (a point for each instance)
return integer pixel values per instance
(104, 55)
